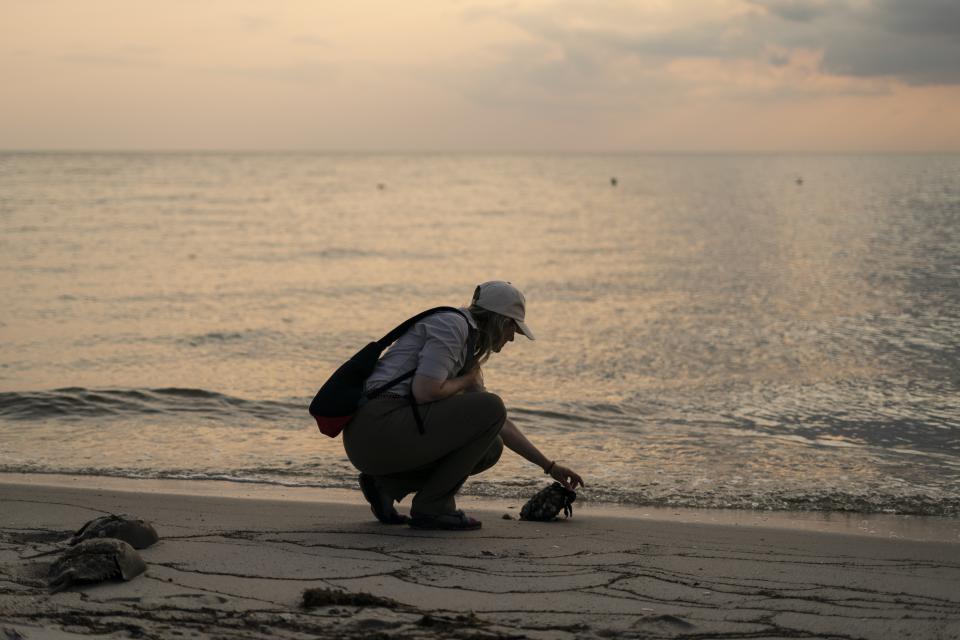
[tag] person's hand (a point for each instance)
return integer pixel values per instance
(475, 380)
(566, 476)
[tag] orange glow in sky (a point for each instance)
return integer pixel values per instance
(485, 75)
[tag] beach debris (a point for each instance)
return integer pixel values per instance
(439, 622)
(139, 534)
(95, 560)
(507, 516)
(331, 597)
(548, 503)
(9, 633)
(663, 621)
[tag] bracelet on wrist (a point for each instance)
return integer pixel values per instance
(550, 466)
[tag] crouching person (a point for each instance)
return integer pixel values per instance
(427, 433)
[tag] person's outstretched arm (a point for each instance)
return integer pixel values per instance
(514, 440)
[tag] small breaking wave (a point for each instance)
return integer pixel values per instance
(342, 476)
(825, 500)
(78, 402)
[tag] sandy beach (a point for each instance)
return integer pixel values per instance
(238, 567)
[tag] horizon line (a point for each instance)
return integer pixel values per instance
(334, 151)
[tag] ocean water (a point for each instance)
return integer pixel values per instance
(754, 332)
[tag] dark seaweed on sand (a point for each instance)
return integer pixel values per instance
(330, 597)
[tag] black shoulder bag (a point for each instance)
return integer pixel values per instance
(339, 397)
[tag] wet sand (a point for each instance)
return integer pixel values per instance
(229, 567)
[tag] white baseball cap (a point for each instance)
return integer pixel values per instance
(503, 298)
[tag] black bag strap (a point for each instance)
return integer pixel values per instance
(384, 387)
(404, 326)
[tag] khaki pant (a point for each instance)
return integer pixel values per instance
(461, 438)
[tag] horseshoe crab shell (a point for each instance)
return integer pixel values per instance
(548, 503)
(140, 534)
(95, 560)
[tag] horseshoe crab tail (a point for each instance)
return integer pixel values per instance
(62, 580)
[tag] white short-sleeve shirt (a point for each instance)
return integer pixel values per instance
(435, 347)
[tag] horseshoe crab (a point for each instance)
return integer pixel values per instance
(95, 560)
(548, 503)
(140, 534)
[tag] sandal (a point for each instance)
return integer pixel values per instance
(380, 504)
(456, 521)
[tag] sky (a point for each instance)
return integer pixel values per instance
(481, 75)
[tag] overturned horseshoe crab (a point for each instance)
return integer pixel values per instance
(140, 534)
(95, 560)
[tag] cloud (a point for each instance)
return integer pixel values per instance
(920, 17)
(133, 55)
(575, 49)
(797, 10)
(578, 61)
(914, 41)
(931, 61)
